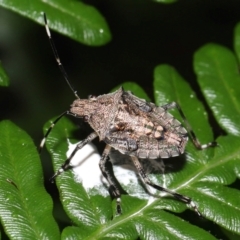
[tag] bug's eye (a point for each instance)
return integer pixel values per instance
(86, 118)
(92, 97)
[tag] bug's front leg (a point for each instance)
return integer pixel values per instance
(109, 175)
(67, 164)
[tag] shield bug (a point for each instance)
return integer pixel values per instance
(130, 125)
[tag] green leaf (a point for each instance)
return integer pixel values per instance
(25, 206)
(237, 41)
(4, 80)
(218, 75)
(74, 19)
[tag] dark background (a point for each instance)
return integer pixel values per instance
(144, 34)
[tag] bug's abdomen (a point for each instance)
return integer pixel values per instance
(155, 134)
(171, 145)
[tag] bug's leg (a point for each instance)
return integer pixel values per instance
(178, 196)
(66, 165)
(196, 142)
(49, 130)
(110, 177)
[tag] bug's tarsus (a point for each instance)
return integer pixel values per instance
(12, 182)
(192, 135)
(56, 55)
(59, 171)
(118, 201)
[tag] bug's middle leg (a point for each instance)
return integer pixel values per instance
(109, 176)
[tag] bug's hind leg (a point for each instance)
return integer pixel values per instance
(109, 176)
(66, 165)
(195, 140)
(146, 180)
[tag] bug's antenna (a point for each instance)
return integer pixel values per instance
(54, 49)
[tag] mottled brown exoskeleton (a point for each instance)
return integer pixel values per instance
(132, 126)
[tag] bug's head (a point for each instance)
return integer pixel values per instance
(83, 108)
(92, 107)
